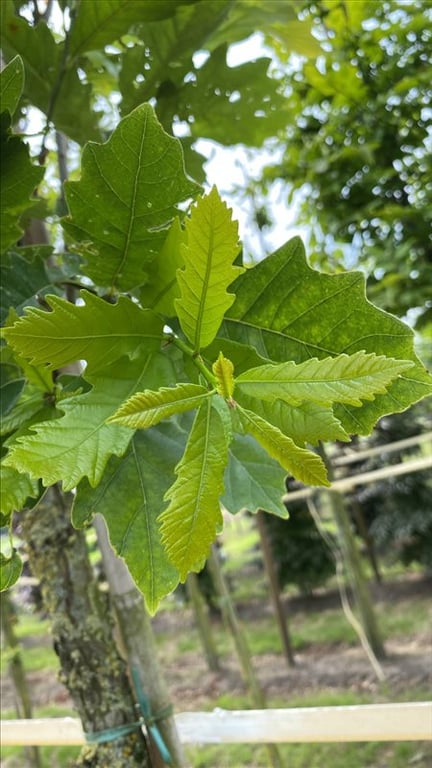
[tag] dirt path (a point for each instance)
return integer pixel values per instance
(320, 667)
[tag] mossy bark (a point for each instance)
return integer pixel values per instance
(91, 668)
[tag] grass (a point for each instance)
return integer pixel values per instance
(404, 618)
(352, 755)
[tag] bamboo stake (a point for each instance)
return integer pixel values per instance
(408, 721)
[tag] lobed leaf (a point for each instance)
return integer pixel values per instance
(304, 465)
(80, 443)
(23, 276)
(212, 245)
(128, 194)
(96, 331)
(43, 60)
(253, 480)
(145, 409)
(136, 484)
(11, 84)
(15, 489)
(190, 522)
(105, 21)
(342, 379)
(311, 314)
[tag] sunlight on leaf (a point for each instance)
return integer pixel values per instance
(190, 523)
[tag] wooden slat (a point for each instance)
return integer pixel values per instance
(346, 483)
(371, 722)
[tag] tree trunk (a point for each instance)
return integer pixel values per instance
(22, 696)
(203, 622)
(140, 648)
(275, 590)
(91, 668)
(241, 646)
(353, 563)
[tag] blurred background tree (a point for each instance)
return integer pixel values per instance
(358, 142)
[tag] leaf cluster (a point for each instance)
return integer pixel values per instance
(177, 381)
(200, 373)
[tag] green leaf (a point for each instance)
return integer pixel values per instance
(10, 570)
(131, 496)
(212, 245)
(105, 21)
(162, 287)
(310, 314)
(342, 379)
(302, 464)
(15, 489)
(96, 331)
(168, 51)
(145, 409)
(128, 194)
(80, 443)
(49, 84)
(18, 181)
(233, 105)
(304, 423)
(252, 479)
(11, 85)
(223, 369)
(23, 275)
(190, 523)
(11, 386)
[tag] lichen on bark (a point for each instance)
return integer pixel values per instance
(91, 668)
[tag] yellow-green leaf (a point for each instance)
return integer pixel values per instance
(305, 465)
(212, 246)
(145, 409)
(190, 523)
(223, 369)
(342, 379)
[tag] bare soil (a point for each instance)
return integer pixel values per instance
(320, 667)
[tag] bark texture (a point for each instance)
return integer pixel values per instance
(91, 667)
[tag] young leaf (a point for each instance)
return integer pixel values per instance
(97, 331)
(304, 423)
(11, 85)
(80, 443)
(189, 524)
(212, 245)
(223, 369)
(162, 287)
(342, 379)
(304, 465)
(131, 496)
(310, 314)
(121, 205)
(145, 409)
(253, 480)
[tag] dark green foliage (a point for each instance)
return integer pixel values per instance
(398, 511)
(299, 551)
(357, 145)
